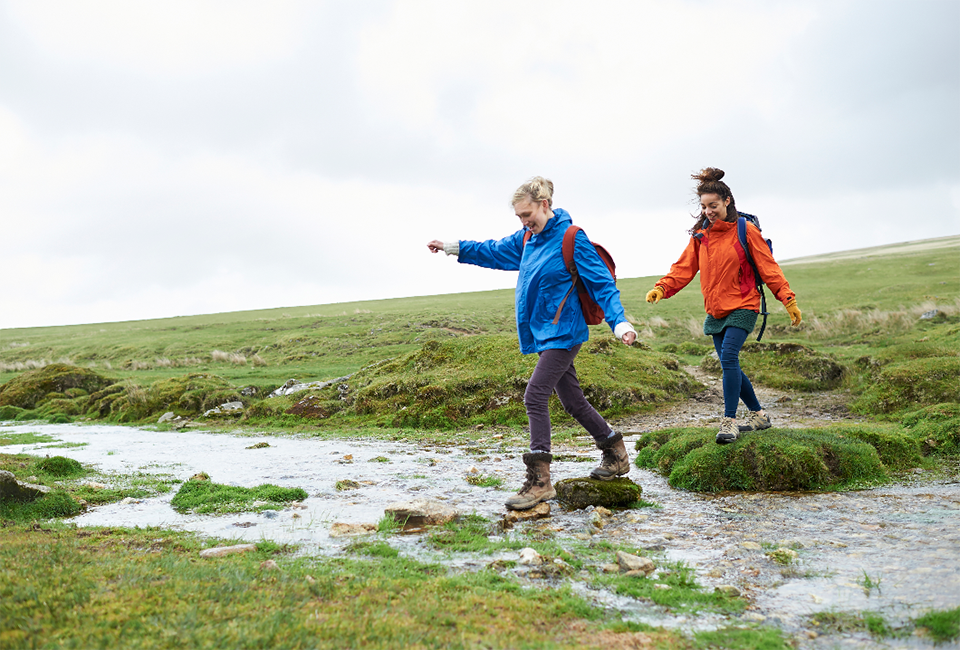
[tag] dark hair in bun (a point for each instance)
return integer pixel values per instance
(708, 182)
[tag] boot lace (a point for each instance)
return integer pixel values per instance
(533, 479)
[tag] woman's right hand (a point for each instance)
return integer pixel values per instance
(436, 246)
(655, 295)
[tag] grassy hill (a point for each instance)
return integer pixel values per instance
(862, 315)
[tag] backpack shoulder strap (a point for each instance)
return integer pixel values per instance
(569, 241)
(742, 236)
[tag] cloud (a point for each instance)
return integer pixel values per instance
(160, 158)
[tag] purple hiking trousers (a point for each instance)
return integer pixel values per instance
(555, 372)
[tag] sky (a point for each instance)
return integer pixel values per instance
(187, 157)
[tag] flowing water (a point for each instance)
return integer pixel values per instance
(893, 550)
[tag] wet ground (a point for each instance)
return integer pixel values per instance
(893, 550)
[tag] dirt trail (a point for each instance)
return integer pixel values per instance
(786, 409)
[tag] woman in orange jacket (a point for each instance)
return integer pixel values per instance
(730, 293)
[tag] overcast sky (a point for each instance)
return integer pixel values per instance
(187, 157)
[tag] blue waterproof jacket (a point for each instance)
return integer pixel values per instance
(544, 280)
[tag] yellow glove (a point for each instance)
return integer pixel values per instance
(794, 311)
(655, 294)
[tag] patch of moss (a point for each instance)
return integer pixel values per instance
(59, 467)
(804, 459)
(192, 393)
(8, 412)
(788, 366)
(936, 429)
(31, 388)
(203, 496)
(908, 385)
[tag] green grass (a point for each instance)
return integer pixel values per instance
(941, 626)
(148, 589)
(73, 486)
(207, 497)
(24, 438)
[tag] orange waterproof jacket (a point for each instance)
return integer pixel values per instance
(726, 276)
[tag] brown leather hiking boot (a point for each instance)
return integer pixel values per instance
(614, 461)
(537, 487)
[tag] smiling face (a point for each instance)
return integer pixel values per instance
(713, 207)
(532, 215)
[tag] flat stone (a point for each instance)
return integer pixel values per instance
(751, 546)
(530, 557)
(343, 530)
(166, 417)
(421, 512)
(539, 511)
(727, 590)
(220, 551)
(628, 563)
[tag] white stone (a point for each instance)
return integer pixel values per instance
(220, 551)
(628, 563)
(530, 556)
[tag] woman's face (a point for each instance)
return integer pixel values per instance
(714, 207)
(532, 215)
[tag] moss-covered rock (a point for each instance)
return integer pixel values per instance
(936, 429)
(481, 380)
(909, 385)
(32, 388)
(189, 394)
(788, 366)
(799, 459)
(576, 493)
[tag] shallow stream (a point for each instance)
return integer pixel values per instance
(893, 550)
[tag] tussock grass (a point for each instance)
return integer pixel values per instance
(778, 459)
(787, 366)
(481, 380)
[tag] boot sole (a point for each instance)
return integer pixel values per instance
(725, 439)
(530, 504)
(608, 478)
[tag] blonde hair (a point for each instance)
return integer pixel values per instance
(535, 190)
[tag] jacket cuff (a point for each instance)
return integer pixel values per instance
(623, 328)
(452, 248)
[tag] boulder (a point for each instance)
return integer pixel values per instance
(421, 512)
(166, 417)
(530, 557)
(13, 490)
(577, 493)
(295, 386)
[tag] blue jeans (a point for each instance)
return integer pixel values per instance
(736, 386)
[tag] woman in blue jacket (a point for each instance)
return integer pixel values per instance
(543, 284)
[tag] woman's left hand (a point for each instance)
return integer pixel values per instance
(629, 338)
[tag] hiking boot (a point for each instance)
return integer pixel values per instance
(755, 421)
(728, 431)
(614, 461)
(537, 487)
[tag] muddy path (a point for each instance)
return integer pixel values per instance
(892, 550)
(786, 409)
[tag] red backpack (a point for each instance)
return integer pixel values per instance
(592, 313)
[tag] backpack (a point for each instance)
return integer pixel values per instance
(742, 236)
(592, 312)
